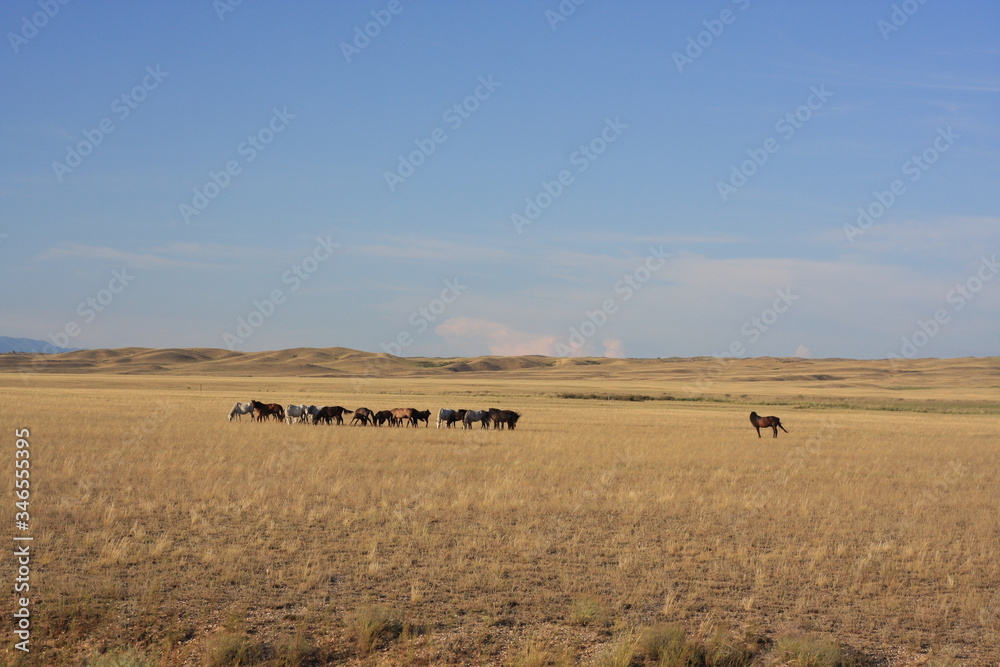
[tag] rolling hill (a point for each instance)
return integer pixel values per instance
(968, 380)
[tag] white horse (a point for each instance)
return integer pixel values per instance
(449, 417)
(241, 409)
(476, 416)
(299, 412)
(311, 412)
(443, 416)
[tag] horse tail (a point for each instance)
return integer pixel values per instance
(781, 427)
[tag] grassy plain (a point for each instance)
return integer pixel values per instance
(603, 531)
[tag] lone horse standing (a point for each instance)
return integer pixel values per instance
(764, 422)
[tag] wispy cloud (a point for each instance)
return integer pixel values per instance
(136, 260)
(950, 236)
(433, 251)
(664, 239)
(173, 255)
(212, 250)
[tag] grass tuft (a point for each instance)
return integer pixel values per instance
(812, 651)
(376, 627)
(121, 659)
(588, 611)
(233, 649)
(669, 646)
(535, 653)
(621, 652)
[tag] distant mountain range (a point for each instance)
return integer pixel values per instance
(8, 344)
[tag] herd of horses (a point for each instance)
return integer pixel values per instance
(329, 414)
(498, 419)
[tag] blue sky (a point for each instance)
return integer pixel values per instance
(622, 179)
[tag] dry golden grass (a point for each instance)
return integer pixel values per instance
(168, 535)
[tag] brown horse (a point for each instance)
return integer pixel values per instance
(329, 413)
(363, 415)
(265, 410)
(766, 422)
(400, 415)
(501, 418)
(509, 417)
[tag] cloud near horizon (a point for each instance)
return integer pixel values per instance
(498, 338)
(506, 341)
(614, 349)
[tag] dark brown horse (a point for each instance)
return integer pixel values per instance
(502, 418)
(330, 413)
(506, 418)
(458, 416)
(363, 415)
(766, 422)
(382, 417)
(422, 416)
(265, 410)
(509, 417)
